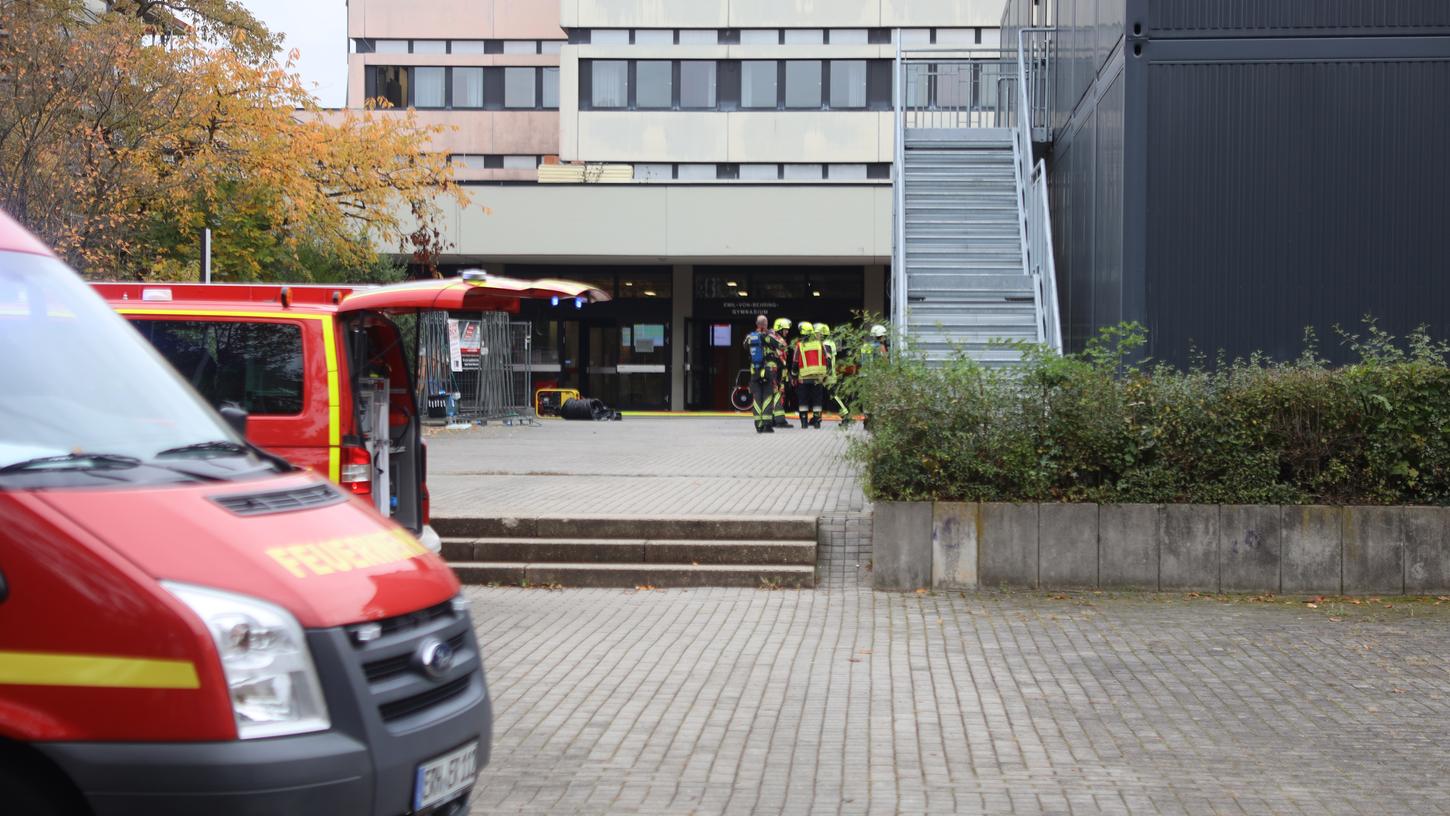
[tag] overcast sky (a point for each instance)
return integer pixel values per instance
(318, 29)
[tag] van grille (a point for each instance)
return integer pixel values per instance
(400, 689)
(391, 666)
(423, 701)
(280, 501)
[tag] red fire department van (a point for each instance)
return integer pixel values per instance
(190, 625)
(321, 371)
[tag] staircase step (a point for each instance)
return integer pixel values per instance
(650, 528)
(635, 575)
(630, 551)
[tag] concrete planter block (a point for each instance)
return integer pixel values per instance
(1007, 545)
(1374, 550)
(1312, 551)
(901, 542)
(1249, 548)
(1067, 545)
(1427, 550)
(954, 529)
(1188, 548)
(1128, 546)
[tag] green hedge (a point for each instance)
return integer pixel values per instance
(1095, 427)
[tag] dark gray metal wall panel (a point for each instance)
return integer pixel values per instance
(1296, 18)
(1289, 194)
(1108, 207)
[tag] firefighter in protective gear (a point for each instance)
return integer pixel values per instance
(810, 365)
(766, 352)
(877, 350)
(833, 376)
(782, 329)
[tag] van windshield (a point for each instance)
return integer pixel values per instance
(84, 400)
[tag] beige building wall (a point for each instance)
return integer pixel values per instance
(621, 223)
(779, 13)
(467, 132)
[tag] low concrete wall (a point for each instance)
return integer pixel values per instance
(1205, 548)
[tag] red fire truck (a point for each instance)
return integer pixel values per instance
(320, 371)
(189, 624)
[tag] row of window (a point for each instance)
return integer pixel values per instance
(735, 85)
(762, 172)
(495, 161)
(372, 46)
(962, 37)
(464, 88)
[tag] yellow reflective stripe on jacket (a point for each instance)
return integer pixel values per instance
(43, 669)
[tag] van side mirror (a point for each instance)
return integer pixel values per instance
(236, 416)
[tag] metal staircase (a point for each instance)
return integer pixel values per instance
(973, 257)
(965, 284)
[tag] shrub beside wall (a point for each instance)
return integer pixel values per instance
(1097, 427)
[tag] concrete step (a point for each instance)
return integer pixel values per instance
(648, 528)
(635, 575)
(630, 551)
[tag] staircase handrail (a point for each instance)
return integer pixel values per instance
(1033, 205)
(898, 186)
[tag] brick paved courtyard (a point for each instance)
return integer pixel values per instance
(842, 700)
(642, 465)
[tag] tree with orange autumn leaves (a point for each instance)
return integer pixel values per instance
(123, 133)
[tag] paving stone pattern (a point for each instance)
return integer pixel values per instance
(655, 466)
(840, 700)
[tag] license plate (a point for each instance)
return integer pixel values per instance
(443, 778)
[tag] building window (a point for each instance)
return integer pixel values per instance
(390, 47)
(653, 172)
(804, 36)
(551, 46)
(759, 172)
(654, 37)
(468, 47)
(430, 46)
(766, 36)
(957, 36)
(520, 162)
(915, 36)
(803, 172)
(758, 84)
(609, 36)
(848, 84)
(697, 84)
(551, 88)
(803, 83)
(429, 90)
(518, 88)
(697, 36)
(696, 172)
(849, 36)
(469, 161)
(853, 172)
(654, 84)
(610, 84)
(467, 87)
(521, 46)
(389, 82)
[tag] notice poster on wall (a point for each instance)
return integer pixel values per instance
(465, 344)
(720, 335)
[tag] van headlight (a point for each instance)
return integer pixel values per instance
(270, 675)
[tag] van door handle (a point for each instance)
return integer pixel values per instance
(4, 588)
